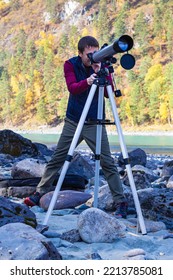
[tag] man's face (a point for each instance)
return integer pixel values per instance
(84, 57)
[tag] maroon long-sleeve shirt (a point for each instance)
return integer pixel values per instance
(75, 87)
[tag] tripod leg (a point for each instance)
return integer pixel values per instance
(98, 144)
(70, 153)
(126, 159)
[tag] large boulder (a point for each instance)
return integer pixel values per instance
(96, 226)
(137, 156)
(65, 199)
(157, 205)
(15, 144)
(22, 242)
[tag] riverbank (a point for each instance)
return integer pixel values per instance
(151, 141)
(127, 130)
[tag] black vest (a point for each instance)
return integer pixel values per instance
(77, 102)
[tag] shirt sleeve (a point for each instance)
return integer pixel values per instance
(73, 86)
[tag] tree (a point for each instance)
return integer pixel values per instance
(102, 23)
(5, 97)
(141, 30)
(157, 20)
(41, 110)
(120, 22)
(154, 83)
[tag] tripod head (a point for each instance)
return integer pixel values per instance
(105, 70)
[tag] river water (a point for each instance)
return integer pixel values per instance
(153, 144)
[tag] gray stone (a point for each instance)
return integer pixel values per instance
(134, 252)
(96, 226)
(27, 168)
(105, 198)
(20, 192)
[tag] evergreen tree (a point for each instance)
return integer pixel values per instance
(20, 43)
(5, 97)
(120, 22)
(157, 20)
(41, 110)
(141, 30)
(103, 24)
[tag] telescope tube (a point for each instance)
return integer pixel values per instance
(123, 44)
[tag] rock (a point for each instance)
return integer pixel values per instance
(157, 205)
(95, 256)
(143, 177)
(43, 150)
(71, 182)
(96, 226)
(80, 166)
(151, 176)
(16, 145)
(71, 236)
(11, 212)
(167, 170)
(23, 187)
(18, 187)
(134, 252)
(170, 182)
(105, 198)
(20, 192)
(22, 242)
(140, 179)
(151, 226)
(137, 156)
(65, 199)
(27, 168)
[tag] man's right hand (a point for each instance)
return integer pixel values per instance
(91, 79)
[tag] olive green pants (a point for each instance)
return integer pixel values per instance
(88, 134)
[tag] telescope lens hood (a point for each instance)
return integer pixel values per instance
(124, 43)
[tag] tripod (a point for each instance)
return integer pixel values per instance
(101, 82)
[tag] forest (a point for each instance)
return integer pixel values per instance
(37, 36)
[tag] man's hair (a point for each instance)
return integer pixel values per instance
(87, 41)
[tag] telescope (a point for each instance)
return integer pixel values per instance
(121, 45)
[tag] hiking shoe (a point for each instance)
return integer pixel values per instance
(121, 210)
(33, 199)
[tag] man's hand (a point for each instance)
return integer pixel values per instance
(91, 79)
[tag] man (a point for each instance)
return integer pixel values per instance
(80, 75)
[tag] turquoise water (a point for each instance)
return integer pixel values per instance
(150, 144)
